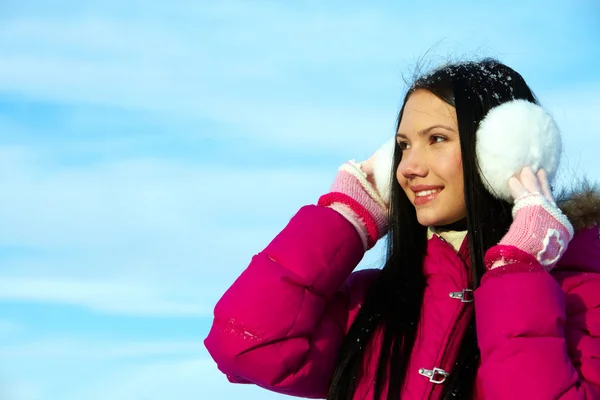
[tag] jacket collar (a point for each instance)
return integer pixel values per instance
(454, 238)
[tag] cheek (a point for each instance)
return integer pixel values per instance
(459, 169)
(460, 183)
(455, 167)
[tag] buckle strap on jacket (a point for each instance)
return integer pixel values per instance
(435, 375)
(465, 296)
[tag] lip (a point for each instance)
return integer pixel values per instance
(420, 188)
(421, 200)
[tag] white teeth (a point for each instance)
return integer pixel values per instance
(426, 192)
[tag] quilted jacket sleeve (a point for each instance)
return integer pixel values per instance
(281, 323)
(539, 334)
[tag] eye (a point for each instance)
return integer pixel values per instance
(436, 139)
(404, 145)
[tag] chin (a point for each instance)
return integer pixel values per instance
(429, 218)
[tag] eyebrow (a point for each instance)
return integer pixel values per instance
(427, 130)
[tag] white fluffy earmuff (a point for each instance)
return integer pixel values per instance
(514, 135)
(384, 162)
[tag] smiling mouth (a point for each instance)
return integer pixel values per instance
(423, 197)
(424, 193)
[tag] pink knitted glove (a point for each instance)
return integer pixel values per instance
(353, 196)
(539, 228)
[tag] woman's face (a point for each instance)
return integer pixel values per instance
(430, 172)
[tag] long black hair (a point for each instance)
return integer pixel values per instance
(392, 306)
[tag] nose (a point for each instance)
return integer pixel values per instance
(413, 165)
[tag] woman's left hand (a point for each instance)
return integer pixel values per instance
(539, 227)
(527, 182)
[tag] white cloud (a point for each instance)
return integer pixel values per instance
(574, 109)
(136, 201)
(151, 237)
(77, 368)
(112, 296)
(79, 349)
(191, 378)
(20, 390)
(9, 328)
(254, 67)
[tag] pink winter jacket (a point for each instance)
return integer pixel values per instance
(280, 325)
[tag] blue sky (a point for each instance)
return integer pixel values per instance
(148, 151)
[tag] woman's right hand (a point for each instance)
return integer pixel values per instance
(378, 169)
(355, 194)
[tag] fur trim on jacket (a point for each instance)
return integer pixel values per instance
(581, 205)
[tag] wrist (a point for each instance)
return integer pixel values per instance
(352, 189)
(354, 169)
(539, 229)
(355, 220)
(359, 214)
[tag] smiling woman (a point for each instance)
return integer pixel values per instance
(479, 297)
(430, 172)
